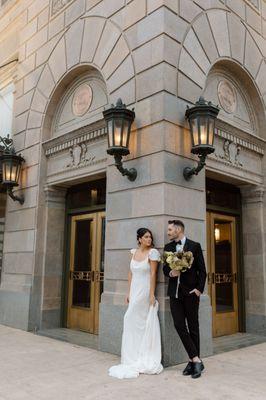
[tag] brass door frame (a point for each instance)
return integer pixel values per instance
(100, 275)
(230, 318)
(65, 281)
(91, 314)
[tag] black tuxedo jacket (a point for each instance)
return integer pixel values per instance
(194, 278)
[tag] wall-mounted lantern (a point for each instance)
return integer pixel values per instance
(10, 163)
(119, 120)
(201, 119)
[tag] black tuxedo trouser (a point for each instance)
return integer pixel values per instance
(186, 309)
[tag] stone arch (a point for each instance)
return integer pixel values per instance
(251, 118)
(66, 86)
(90, 42)
(216, 36)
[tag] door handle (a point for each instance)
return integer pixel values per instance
(99, 276)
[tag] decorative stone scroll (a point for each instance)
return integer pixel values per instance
(231, 153)
(79, 155)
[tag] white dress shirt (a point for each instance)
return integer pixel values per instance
(179, 247)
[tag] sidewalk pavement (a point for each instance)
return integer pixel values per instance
(36, 368)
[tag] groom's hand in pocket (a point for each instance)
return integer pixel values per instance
(196, 291)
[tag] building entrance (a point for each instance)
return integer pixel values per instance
(224, 257)
(85, 255)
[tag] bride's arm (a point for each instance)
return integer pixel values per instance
(129, 285)
(154, 265)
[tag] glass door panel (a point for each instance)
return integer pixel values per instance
(223, 266)
(222, 272)
(86, 273)
(81, 273)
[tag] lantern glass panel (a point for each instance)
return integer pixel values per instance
(118, 132)
(7, 170)
(211, 131)
(110, 133)
(18, 169)
(11, 170)
(194, 131)
(125, 133)
(203, 130)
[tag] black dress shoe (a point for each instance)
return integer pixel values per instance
(198, 368)
(189, 369)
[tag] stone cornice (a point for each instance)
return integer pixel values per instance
(65, 142)
(236, 136)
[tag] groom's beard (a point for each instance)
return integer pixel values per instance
(173, 238)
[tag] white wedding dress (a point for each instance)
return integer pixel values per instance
(141, 339)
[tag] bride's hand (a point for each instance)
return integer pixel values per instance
(127, 299)
(152, 300)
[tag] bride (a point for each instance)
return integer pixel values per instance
(141, 339)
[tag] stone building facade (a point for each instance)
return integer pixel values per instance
(64, 61)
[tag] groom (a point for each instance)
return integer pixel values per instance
(184, 293)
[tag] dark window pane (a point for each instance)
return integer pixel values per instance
(81, 293)
(223, 266)
(82, 258)
(82, 263)
(86, 195)
(222, 195)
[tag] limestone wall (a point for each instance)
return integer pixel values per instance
(156, 55)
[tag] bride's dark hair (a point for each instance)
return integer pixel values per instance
(141, 232)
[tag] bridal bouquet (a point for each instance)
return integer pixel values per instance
(180, 261)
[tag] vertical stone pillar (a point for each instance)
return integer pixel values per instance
(45, 308)
(253, 211)
(159, 193)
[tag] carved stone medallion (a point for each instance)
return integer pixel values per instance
(82, 100)
(57, 5)
(227, 96)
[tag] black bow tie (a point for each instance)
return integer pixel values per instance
(179, 242)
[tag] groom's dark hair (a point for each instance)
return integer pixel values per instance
(177, 222)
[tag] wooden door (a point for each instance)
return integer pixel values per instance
(86, 272)
(222, 273)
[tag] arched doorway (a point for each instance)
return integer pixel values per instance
(74, 181)
(236, 167)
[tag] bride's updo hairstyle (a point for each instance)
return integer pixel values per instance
(141, 232)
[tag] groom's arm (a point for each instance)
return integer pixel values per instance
(201, 269)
